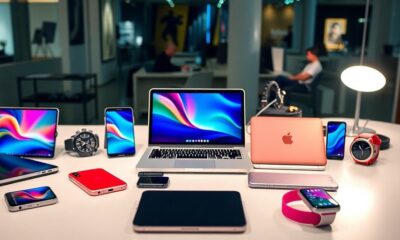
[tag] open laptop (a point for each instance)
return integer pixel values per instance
(287, 143)
(196, 130)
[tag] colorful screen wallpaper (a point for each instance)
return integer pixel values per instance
(11, 166)
(120, 136)
(32, 195)
(335, 140)
(26, 132)
(197, 118)
(319, 198)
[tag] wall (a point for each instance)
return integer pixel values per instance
(6, 28)
(275, 23)
(10, 72)
(39, 12)
(107, 71)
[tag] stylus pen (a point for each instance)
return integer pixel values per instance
(150, 174)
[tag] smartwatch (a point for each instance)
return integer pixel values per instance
(323, 207)
(365, 148)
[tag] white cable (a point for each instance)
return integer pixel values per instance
(259, 112)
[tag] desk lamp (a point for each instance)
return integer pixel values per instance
(362, 79)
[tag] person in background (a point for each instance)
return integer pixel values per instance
(307, 75)
(163, 61)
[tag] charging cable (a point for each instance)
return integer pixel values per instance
(258, 114)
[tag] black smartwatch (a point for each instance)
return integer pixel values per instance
(85, 143)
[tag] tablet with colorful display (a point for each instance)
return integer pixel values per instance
(28, 132)
(14, 169)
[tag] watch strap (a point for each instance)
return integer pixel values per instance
(304, 217)
(375, 139)
(69, 144)
(385, 144)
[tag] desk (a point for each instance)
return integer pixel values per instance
(143, 81)
(368, 197)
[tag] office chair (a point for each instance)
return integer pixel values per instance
(301, 95)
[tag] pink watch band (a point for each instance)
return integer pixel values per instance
(296, 215)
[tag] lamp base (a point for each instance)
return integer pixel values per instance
(354, 132)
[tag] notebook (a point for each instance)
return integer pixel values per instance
(196, 130)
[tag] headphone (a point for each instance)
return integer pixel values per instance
(271, 92)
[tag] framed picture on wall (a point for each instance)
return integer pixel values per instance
(334, 30)
(107, 30)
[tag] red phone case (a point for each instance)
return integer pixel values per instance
(97, 181)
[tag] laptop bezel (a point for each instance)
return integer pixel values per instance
(196, 90)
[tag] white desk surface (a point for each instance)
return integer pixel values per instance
(369, 198)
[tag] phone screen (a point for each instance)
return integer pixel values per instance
(319, 198)
(335, 140)
(30, 196)
(119, 132)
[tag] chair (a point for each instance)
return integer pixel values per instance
(309, 97)
(199, 80)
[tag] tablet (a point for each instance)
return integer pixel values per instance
(28, 132)
(190, 211)
(291, 181)
(14, 169)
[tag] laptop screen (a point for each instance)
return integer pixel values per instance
(28, 132)
(197, 117)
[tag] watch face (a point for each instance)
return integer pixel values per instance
(319, 198)
(85, 142)
(361, 150)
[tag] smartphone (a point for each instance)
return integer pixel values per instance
(153, 182)
(30, 198)
(97, 181)
(120, 137)
(335, 140)
(291, 181)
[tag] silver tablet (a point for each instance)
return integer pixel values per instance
(291, 181)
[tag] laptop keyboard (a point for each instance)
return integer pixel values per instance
(196, 153)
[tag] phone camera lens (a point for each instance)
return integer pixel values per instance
(76, 174)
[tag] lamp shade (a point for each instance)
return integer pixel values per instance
(363, 78)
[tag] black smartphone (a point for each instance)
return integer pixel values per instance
(153, 182)
(30, 198)
(120, 136)
(335, 140)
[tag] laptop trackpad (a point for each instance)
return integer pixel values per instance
(194, 164)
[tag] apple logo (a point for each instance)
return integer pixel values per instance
(287, 139)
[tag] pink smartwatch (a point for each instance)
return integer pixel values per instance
(323, 207)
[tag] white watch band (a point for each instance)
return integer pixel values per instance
(326, 219)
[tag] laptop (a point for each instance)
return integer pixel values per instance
(196, 130)
(15, 169)
(287, 143)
